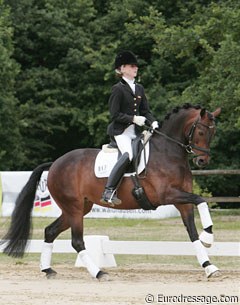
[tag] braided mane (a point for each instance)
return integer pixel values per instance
(178, 108)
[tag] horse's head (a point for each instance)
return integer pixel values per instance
(200, 135)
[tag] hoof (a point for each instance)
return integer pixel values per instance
(50, 273)
(102, 276)
(206, 239)
(212, 271)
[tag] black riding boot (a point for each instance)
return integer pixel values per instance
(109, 195)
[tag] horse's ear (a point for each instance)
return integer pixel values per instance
(202, 112)
(216, 112)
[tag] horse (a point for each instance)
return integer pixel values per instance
(74, 187)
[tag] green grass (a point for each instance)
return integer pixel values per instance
(226, 228)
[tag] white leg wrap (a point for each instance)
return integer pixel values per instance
(204, 215)
(210, 270)
(88, 263)
(46, 256)
(206, 238)
(201, 252)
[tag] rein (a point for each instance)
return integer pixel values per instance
(190, 146)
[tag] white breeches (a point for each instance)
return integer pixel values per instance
(124, 141)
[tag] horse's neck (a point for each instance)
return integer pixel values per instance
(175, 127)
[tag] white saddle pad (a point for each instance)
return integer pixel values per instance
(107, 158)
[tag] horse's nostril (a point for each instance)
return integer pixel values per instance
(201, 162)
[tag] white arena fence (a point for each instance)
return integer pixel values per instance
(11, 184)
(102, 250)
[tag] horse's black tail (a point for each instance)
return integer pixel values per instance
(21, 222)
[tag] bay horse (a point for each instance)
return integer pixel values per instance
(74, 186)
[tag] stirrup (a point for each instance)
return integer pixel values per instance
(109, 197)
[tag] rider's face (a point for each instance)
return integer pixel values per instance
(129, 71)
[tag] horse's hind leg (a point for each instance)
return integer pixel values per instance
(51, 232)
(187, 213)
(79, 246)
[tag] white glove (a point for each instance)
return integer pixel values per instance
(155, 125)
(139, 120)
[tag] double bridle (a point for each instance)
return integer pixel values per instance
(190, 146)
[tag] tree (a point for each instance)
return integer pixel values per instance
(10, 152)
(50, 47)
(213, 46)
(195, 58)
(188, 52)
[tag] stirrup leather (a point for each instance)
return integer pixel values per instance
(112, 196)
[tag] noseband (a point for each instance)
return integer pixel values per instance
(190, 146)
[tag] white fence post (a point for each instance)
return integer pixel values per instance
(94, 247)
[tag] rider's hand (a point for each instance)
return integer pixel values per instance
(155, 125)
(139, 120)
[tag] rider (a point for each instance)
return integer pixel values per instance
(129, 109)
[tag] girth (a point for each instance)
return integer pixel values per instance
(140, 195)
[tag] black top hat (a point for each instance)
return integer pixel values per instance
(125, 58)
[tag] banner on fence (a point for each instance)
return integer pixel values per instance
(12, 184)
(45, 206)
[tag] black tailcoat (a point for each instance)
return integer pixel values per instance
(124, 104)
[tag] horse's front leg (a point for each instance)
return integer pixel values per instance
(187, 214)
(206, 236)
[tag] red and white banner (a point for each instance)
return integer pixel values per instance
(12, 184)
